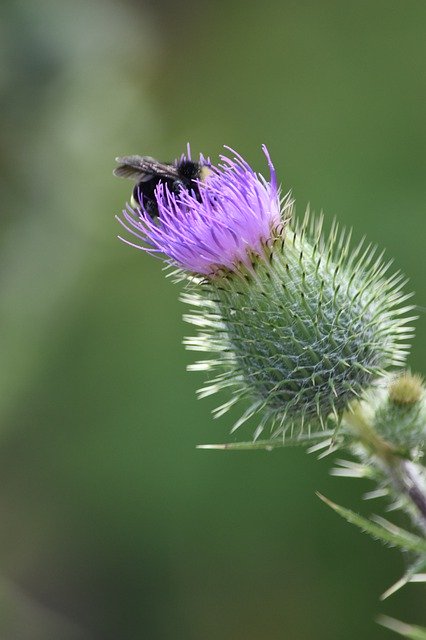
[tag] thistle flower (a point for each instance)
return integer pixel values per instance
(297, 325)
(234, 216)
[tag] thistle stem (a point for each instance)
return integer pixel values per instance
(404, 480)
(401, 473)
(414, 491)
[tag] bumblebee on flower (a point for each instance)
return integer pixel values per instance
(216, 222)
(298, 325)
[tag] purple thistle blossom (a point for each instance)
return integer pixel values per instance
(236, 212)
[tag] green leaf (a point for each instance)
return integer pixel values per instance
(299, 440)
(381, 530)
(406, 630)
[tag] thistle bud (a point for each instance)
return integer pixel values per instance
(399, 412)
(296, 325)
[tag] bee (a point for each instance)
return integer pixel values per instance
(148, 173)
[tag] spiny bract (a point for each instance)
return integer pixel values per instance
(303, 331)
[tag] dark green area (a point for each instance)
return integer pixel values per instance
(111, 519)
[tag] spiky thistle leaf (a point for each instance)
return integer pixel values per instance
(323, 437)
(382, 530)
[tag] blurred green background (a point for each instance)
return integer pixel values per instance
(112, 524)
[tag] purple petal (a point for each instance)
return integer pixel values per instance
(235, 214)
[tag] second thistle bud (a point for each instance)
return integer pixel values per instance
(399, 412)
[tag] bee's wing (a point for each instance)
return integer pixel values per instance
(143, 167)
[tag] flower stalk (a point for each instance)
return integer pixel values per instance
(405, 479)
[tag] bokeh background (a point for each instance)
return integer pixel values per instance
(113, 525)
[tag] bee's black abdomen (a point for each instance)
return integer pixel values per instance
(145, 190)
